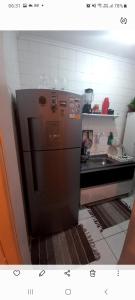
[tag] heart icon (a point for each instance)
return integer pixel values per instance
(16, 272)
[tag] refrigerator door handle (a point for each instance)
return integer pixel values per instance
(33, 165)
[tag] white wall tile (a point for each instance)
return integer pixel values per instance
(76, 70)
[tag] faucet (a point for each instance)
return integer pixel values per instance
(124, 154)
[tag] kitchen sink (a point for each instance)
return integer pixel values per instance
(100, 160)
(97, 161)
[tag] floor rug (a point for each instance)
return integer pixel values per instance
(110, 213)
(73, 246)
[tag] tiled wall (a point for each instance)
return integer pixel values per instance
(101, 130)
(55, 65)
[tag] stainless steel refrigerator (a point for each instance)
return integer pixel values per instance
(50, 129)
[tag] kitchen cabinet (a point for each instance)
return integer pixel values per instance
(105, 181)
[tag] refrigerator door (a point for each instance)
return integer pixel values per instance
(49, 119)
(53, 184)
(129, 137)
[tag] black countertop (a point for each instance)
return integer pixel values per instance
(103, 162)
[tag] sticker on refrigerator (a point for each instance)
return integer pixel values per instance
(74, 109)
(74, 116)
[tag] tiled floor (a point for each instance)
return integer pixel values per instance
(109, 242)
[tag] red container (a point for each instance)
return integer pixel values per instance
(105, 106)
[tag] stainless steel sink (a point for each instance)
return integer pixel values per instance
(100, 160)
(97, 161)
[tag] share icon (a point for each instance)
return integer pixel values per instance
(67, 273)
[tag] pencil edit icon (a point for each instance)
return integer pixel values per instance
(41, 273)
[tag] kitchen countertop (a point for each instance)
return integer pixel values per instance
(91, 165)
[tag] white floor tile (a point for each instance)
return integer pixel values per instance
(84, 214)
(111, 231)
(124, 225)
(93, 230)
(107, 258)
(116, 242)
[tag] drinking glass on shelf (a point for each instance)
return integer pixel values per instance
(43, 81)
(54, 83)
(63, 84)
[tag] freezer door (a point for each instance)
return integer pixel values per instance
(49, 119)
(53, 183)
(129, 136)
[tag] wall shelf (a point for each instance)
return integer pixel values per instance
(100, 116)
